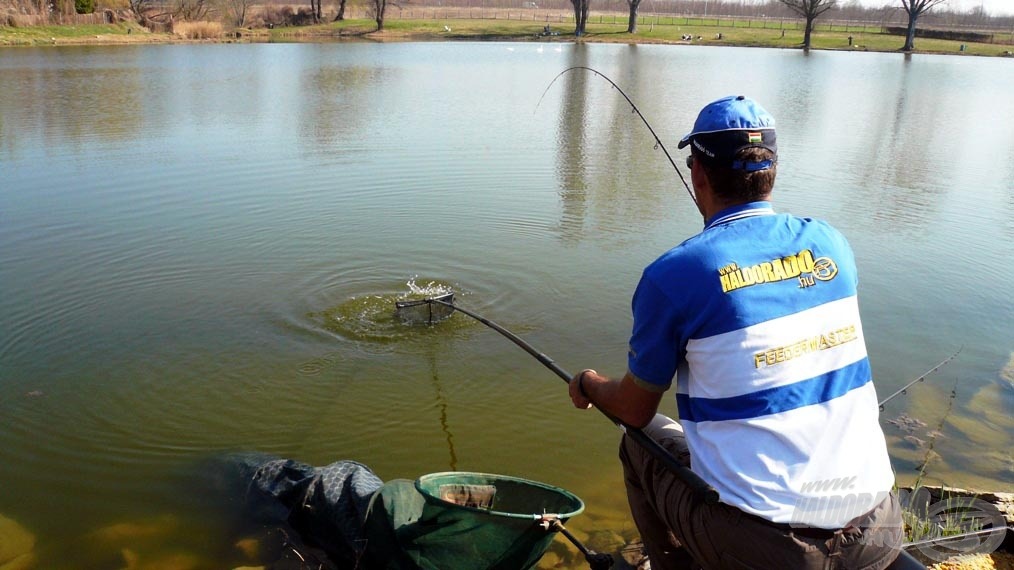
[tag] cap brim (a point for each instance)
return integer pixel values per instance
(684, 141)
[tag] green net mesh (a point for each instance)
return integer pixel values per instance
(473, 521)
(425, 311)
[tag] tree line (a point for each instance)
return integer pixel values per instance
(809, 11)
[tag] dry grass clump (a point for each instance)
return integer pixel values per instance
(198, 30)
(995, 561)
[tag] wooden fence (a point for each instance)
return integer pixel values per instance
(23, 21)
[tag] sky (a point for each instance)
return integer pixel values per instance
(992, 7)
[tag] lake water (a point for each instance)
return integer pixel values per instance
(200, 248)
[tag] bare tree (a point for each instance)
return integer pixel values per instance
(140, 8)
(580, 15)
(315, 10)
(632, 21)
(191, 10)
(379, 6)
(341, 11)
(810, 10)
(239, 10)
(916, 8)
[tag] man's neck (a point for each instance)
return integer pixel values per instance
(713, 209)
(710, 208)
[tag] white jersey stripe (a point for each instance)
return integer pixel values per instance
(797, 486)
(776, 353)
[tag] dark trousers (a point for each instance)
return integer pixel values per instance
(680, 531)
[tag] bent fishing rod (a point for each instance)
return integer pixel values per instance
(658, 141)
(698, 485)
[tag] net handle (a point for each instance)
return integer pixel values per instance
(691, 479)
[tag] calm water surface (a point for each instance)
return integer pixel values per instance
(200, 247)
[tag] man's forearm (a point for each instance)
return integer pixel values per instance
(621, 398)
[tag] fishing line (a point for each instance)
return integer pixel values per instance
(658, 141)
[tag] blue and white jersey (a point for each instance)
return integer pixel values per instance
(757, 318)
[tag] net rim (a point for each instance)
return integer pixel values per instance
(545, 486)
(445, 298)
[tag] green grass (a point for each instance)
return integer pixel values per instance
(326, 29)
(953, 521)
(601, 28)
(467, 28)
(649, 32)
(792, 38)
(35, 35)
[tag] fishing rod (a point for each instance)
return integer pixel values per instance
(658, 141)
(904, 389)
(989, 532)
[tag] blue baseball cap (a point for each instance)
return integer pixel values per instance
(728, 125)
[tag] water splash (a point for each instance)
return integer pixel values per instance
(372, 317)
(431, 289)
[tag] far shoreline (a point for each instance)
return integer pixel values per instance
(492, 30)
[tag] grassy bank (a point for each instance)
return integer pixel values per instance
(126, 32)
(601, 28)
(668, 31)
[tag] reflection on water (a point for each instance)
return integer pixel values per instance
(595, 120)
(572, 124)
(84, 105)
(201, 246)
(336, 106)
(441, 404)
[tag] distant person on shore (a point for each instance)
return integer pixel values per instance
(757, 320)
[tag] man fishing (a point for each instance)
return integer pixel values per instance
(757, 319)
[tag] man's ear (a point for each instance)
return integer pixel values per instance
(702, 187)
